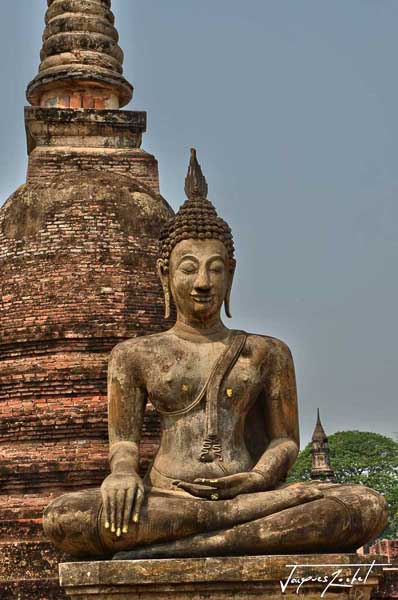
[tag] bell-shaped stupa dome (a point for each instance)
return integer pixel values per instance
(78, 251)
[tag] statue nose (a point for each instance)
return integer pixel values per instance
(202, 287)
(202, 282)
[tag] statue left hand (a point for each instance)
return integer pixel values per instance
(224, 488)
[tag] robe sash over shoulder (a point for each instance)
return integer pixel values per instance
(212, 449)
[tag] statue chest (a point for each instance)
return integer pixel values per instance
(175, 385)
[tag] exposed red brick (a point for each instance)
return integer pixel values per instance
(99, 103)
(64, 101)
(388, 587)
(88, 102)
(78, 246)
(75, 101)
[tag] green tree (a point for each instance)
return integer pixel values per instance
(361, 457)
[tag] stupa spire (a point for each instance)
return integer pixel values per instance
(81, 61)
(321, 467)
(319, 432)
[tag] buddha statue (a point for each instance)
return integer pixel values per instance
(228, 406)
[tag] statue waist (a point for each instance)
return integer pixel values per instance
(160, 482)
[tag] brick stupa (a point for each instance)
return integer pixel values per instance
(78, 243)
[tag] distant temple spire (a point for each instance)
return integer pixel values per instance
(81, 61)
(321, 467)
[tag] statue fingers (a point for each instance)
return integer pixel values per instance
(128, 507)
(107, 507)
(220, 484)
(139, 498)
(112, 498)
(227, 488)
(227, 494)
(214, 483)
(200, 491)
(120, 501)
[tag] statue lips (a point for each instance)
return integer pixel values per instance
(202, 299)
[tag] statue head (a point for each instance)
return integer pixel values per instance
(197, 261)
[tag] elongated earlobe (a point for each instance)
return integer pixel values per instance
(227, 302)
(164, 278)
(166, 294)
(227, 299)
(167, 309)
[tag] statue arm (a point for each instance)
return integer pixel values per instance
(281, 417)
(126, 408)
(123, 491)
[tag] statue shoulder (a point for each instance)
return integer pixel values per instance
(135, 351)
(269, 347)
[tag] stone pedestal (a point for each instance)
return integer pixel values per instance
(338, 576)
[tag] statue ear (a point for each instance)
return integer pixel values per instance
(163, 273)
(227, 299)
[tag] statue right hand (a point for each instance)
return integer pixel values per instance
(122, 495)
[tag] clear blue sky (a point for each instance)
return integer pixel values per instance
(293, 108)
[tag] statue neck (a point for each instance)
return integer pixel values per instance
(209, 333)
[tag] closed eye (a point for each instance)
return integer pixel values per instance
(188, 269)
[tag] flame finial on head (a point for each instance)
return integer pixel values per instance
(195, 181)
(197, 218)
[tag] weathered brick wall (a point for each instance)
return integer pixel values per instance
(137, 164)
(77, 275)
(70, 141)
(388, 548)
(388, 588)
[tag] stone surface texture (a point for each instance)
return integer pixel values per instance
(78, 243)
(387, 547)
(81, 61)
(388, 587)
(228, 406)
(225, 578)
